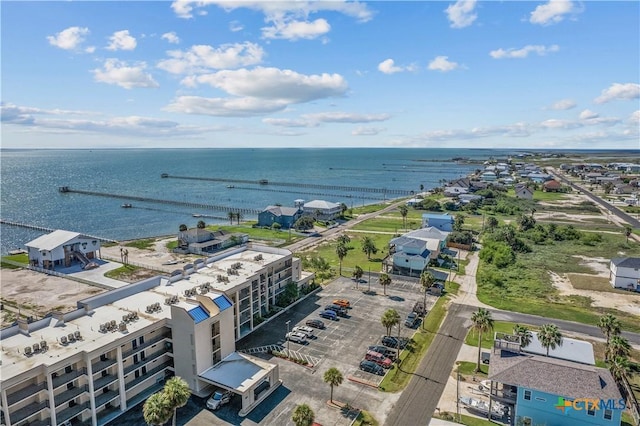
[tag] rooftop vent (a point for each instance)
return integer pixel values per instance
(27, 350)
(63, 340)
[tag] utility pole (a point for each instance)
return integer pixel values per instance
(369, 278)
(458, 394)
(287, 337)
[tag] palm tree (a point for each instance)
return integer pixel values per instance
(550, 337)
(618, 347)
(238, 217)
(482, 323)
(156, 409)
(231, 216)
(343, 209)
(426, 281)
(303, 415)
(524, 333)
(183, 227)
(369, 247)
(333, 376)
(385, 280)
(389, 319)
(344, 239)
(458, 222)
(403, 212)
(201, 224)
(357, 274)
(620, 368)
(177, 393)
(627, 231)
(341, 252)
(610, 326)
(421, 187)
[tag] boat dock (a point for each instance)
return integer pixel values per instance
(67, 189)
(45, 229)
(265, 182)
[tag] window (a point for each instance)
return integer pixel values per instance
(144, 370)
(67, 369)
(135, 359)
(103, 357)
(141, 340)
(527, 395)
(134, 344)
(608, 414)
(591, 411)
(142, 356)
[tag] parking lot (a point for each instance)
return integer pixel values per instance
(342, 344)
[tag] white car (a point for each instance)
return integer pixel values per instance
(307, 331)
(297, 337)
(218, 399)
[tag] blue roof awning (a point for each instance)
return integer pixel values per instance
(222, 302)
(198, 314)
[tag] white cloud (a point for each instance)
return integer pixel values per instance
(289, 122)
(225, 107)
(559, 124)
(69, 39)
(119, 73)
(275, 84)
(294, 30)
(563, 104)
(171, 37)
(367, 131)
(551, 12)
(346, 117)
(635, 117)
(461, 13)
(523, 52)
(442, 63)
(201, 58)
(587, 115)
(235, 26)
(618, 91)
(122, 40)
(276, 9)
(388, 66)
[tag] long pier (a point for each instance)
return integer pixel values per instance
(45, 229)
(284, 191)
(67, 189)
(295, 184)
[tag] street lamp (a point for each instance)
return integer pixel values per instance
(287, 336)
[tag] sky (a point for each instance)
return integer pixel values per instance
(231, 74)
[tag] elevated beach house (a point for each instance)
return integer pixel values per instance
(443, 222)
(62, 248)
(284, 216)
(624, 272)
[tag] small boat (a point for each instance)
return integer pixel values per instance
(481, 407)
(196, 215)
(126, 206)
(230, 186)
(164, 175)
(263, 181)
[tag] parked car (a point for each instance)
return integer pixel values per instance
(371, 367)
(297, 337)
(315, 323)
(342, 302)
(378, 358)
(337, 309)
(394, 342)
(307, 331)
(486, 357)
(412, 320)
(389, 353)
(329, 315)
(420, 309)
(218, 399)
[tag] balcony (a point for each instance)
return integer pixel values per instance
(104, 381)
(103, 398)
(24, 393)
(71, 412)
(145, 345)
(67, 377)
(144, 362)
(69, 394)
(102, 365)
(506, 395)
(150, 374)
(45, 422)
(28, 411)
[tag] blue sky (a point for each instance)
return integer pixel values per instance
(109, 74)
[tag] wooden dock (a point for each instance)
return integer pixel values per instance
(67, 189)
(386, 191)
(45, 229)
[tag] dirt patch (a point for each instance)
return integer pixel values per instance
(599, 265)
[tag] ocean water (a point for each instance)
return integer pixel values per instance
(30, 182)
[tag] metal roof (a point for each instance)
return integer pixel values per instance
(52, 240)
(198, 314)
(222, 302)
(626, 262)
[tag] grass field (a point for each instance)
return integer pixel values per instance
(392, 225)
(22, 258)
(596, 283)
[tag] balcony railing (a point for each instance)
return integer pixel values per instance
(67, 377)
(71, 412)
(24, 393)
(69, 394)
(149, 374)
(103, 398)
(104, 381)
(505, 394)
(144, 362)
(28, 411)
(102, 365)
(145, 345)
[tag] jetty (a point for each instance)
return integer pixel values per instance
(243, 210)
(45, 229)
(265, 182)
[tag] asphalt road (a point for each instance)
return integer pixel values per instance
(420, 398)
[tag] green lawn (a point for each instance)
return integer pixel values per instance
(141, 244)
(122, 272)
(22, 258)
(262, 233)
(365, 419)
(464, 419)
(388, 224)
(466, 368)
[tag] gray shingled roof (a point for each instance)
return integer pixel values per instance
(558, 377)
(626, 262)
